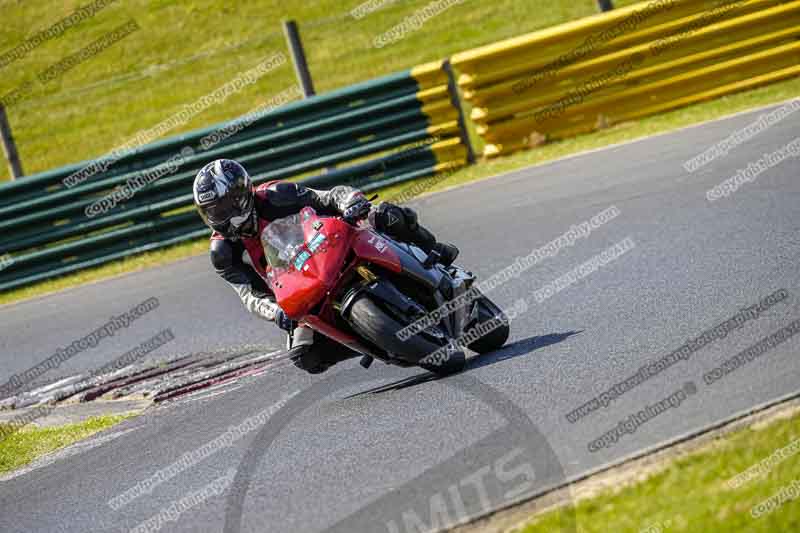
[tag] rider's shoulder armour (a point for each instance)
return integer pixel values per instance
(283, 193)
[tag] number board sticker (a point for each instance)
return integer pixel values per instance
(315, 242)
(378, 243)
(301, 259)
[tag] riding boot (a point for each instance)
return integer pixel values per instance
(299, 341)
(316, 355)
(401, 223)
(438, 252)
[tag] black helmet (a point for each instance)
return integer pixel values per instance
(223, 194)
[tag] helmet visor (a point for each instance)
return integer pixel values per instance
(228, 214)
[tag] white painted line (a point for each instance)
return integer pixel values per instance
(207, 396)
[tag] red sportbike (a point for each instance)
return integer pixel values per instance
(361, 289)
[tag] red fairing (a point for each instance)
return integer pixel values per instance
(335, 333)
(328, 260)
(297, 292)
(373, 248)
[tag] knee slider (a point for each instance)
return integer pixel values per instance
(410, 218)
(388, 218)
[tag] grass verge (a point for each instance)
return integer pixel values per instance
(22, 447)
(693, 492)
(620, 133)
(185, 50)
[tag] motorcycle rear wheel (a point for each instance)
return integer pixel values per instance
(380, 328)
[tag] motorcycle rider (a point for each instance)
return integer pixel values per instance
(238, 213)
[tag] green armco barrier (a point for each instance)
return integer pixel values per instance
(379, 89)
(258, 163)
(394, 164)
(369, 135)
(270, 129)
(267, 144)
(105, 256)
(183, 233)
(73, 249)
(35, 237)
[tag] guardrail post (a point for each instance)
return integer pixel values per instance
(452, 88)
(9, 147)
(299, 61)
(605, 5)
(298, 57)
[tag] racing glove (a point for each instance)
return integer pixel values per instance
(283, 321)
(357, 208)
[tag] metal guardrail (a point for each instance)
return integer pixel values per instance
(387, 130)
(627, 63)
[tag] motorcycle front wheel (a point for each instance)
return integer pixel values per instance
(497, 335)
(380, 328)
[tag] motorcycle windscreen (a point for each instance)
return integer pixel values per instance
(296, 288)
(305, 254)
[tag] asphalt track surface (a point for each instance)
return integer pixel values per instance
(359, 447)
